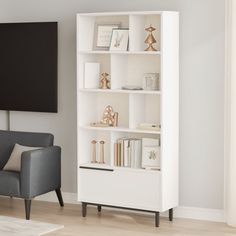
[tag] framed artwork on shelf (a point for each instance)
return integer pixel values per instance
(102, 35)
(150, 153)
(119, 40)
(151, 81)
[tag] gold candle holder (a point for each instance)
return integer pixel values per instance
(101, 158)
(94, 142)
(115, 120)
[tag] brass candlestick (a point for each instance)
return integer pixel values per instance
(150, 40)
(104, 83)
(101, 159)
(115, 120)
(94, 142)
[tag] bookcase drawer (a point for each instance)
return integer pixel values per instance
(125, 188)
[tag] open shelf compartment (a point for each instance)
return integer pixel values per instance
(144, 108)
(92, 106)
(86, 28)
(130, 69)
(138, 24)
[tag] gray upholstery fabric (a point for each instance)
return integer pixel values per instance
(9, 183)
(40, 169)
(9, 138)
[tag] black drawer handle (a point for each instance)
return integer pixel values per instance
(95, 168)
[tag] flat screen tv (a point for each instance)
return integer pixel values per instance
(28, 66)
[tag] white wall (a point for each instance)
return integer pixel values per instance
(201, 84)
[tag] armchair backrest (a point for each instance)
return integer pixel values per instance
(9, 138)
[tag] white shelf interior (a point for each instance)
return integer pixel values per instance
(137, 33)
(93, 105)
(110, 139)
(123, 69)
(144, 109)
(135, 22)
(129, 69)
(86, 28)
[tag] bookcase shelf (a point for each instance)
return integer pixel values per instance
(120, 91)
(112, 184)
(120, 129)
(121, 52)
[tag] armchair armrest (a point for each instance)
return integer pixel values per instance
(40, 171)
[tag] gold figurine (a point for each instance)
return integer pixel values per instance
(110, 117)
(150, 40)
(94, 142)
(101, 158)
(104, 83)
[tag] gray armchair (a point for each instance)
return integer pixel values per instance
(40, 169)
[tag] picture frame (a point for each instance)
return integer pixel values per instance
(102, 35)
(151, 81)
(150, 153)
(119, 39)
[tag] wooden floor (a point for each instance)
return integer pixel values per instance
(110, 222)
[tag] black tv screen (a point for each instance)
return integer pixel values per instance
(28, 66)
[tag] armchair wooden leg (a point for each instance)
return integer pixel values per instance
(59, 196)
(99, 208)
(27, 208)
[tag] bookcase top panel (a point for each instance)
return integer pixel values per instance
(125, 13)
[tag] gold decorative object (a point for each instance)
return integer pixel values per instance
(94, 142)
(104, 83)
(98, 124)
(101, 158)
(115, 119)
(110, 117)
(150, 40)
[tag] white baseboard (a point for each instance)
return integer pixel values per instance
(216, 215)
(51, 197)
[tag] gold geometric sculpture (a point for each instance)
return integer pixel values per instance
(150, 40)
(110, 117)
(104, 82)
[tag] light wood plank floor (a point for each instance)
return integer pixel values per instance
(110, 222)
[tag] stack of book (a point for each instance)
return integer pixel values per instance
(128, 152)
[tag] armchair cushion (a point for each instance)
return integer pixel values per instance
(14, 162)
(10, 183)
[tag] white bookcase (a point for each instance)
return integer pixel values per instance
(105, 184)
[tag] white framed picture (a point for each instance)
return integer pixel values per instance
(119, 40)
(150, 153)
(102, 35)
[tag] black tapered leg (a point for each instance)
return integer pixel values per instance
(27, 209)
(157, 219)
(171, 214)
(59, 196)
(84, 209)
(99, 208)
